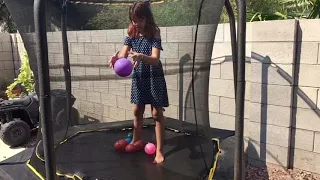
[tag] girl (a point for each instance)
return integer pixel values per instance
(148, 82)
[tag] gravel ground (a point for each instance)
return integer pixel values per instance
(273, 172)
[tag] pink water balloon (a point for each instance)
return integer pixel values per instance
(150, 148)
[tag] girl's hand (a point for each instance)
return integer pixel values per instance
(136, 57)
(113, 59)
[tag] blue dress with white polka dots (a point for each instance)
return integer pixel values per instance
(148, 81)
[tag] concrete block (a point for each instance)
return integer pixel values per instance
(124, 103)
(5, 37)
(215, 70)
(304, 139)
(115, 35)
(170, 50)
(87, 106)
(221, 87)
(6, 56)
(88, 85)
(54, 37)
(92, 71)
(306, 160)
(99, 60)
(56, 72)
(8, 65)
(72, 36)
(309, 30)
(227, 107)
(91, 48)
(53, 48)
(80, 94)
(77, 71)
(101, 86)
(117, 88)
(173, 96)
(129, 114)
(221, 121)
(98, 109)
(107, 49)
(227, 70)
(187, 49)
(309, 52)
(84, 59)
(270, 114)
(7, 74)
(307, 119)
(189, 116)
(306, 97)
(1, 65)
(163, 34)
(94, 97)
(179, 34)
(58, 59)
(270, 94)
(206, 33)
(316, 147)
(219, 34)
(269, 74)
(105, 71)
(117, 113)
(84, 36)
(73, 59)
(271, 51)
(105, 111)
(227, 36)
(171, 112)
(267, 153)
(220, 50)
(98, 36)
(75, 84)
(109, 99)
(273, 31)
(77, 48)
(214, 104)
(269, 134)
(172, 81)
(128, 90)
(312, 78)
(6, 46)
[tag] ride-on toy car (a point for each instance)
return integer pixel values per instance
(18, 117)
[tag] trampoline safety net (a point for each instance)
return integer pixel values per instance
(103, 102)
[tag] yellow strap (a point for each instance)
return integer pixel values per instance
(213, 169)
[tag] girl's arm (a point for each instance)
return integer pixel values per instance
(124, 52)
(153, 59)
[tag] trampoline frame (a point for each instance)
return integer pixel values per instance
(238, 44)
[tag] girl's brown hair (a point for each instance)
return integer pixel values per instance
(141, 10)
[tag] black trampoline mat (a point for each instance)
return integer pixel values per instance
(92, 154)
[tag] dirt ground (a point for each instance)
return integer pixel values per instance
(273, 172)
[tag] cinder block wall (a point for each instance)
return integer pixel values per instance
(103, 96)
(6, 63)
(269, 108)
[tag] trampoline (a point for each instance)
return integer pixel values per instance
(85, 107)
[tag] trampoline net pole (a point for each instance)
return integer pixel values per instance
(239, 119)
(44, 87)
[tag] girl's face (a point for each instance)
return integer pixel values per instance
(139, 23)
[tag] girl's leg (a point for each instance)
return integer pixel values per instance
(138, 111)
(157, 114)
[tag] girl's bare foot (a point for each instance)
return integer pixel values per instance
(159, 157)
